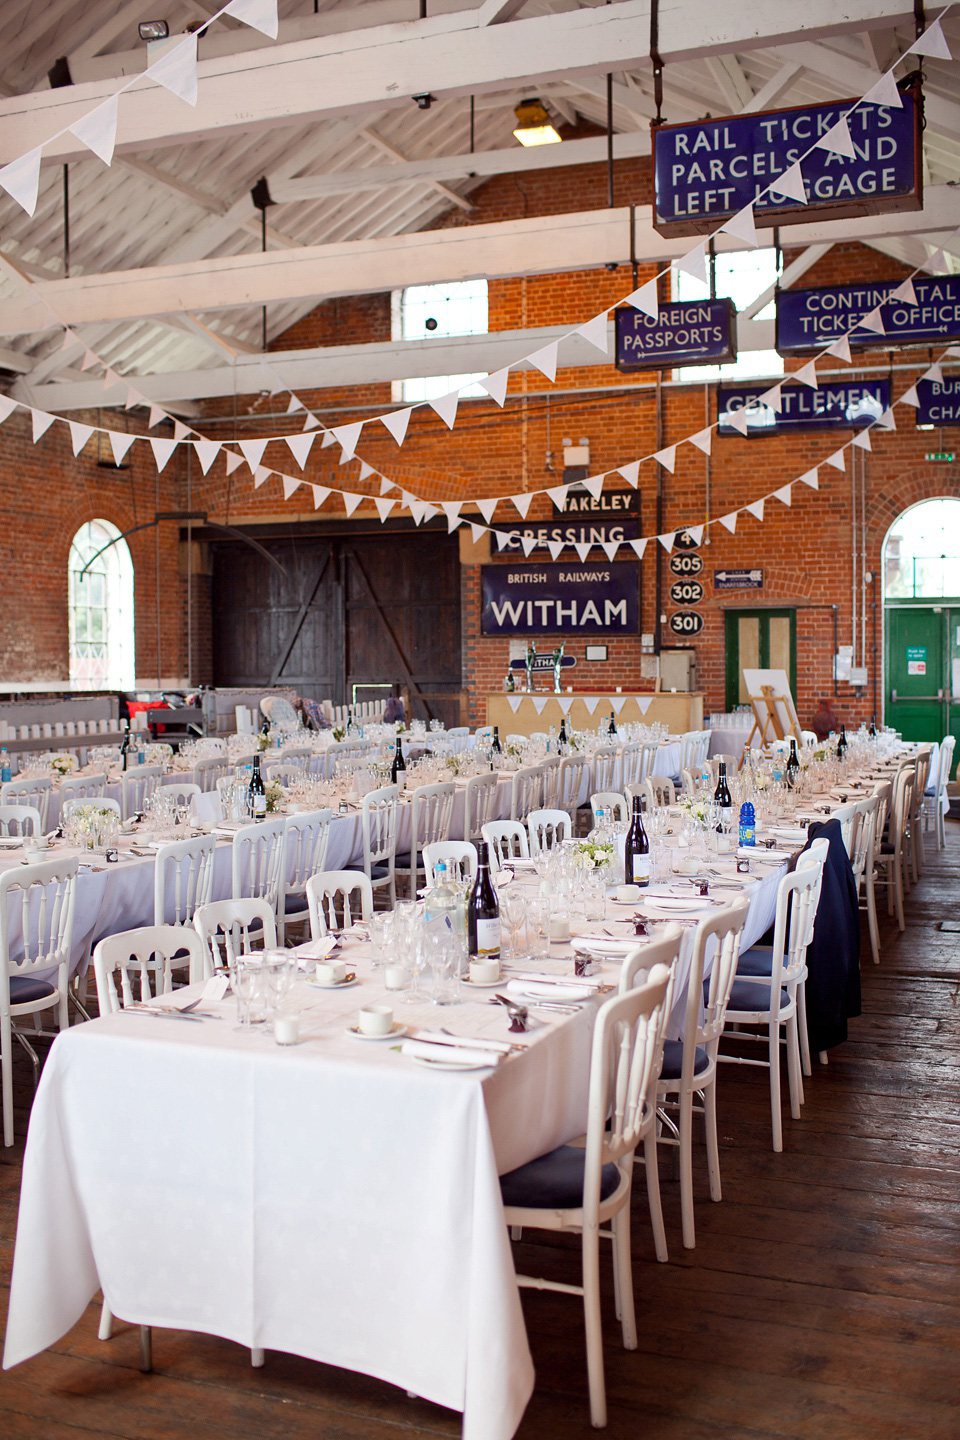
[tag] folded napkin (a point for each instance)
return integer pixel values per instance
(785, 832)
(316, 950)
(760, 852)
(594, 982)
(448, 1054)
(440, 1037)
(10, 842)
(541, 990)
(604, 945)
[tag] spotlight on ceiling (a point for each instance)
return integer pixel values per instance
(534, 126)
(423, 102)
(153, 30)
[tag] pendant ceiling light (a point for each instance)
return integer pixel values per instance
(534, 126)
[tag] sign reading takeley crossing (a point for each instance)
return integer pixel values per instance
(706, 172)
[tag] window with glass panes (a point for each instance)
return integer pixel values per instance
(742, 277)
(422, 312)
(100, 603)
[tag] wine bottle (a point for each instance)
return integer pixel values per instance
(495, 745)
(257, 792)
(398, 770)
(125, 746)
(563, 730)
(842, 742)
(636, 849)
(721, 796)
(612, 727)
(483, 911)
(873, 727)
(793, 762)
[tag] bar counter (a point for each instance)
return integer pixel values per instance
(521, 714)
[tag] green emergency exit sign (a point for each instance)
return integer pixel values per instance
(945, 455)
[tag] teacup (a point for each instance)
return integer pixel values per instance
(628, 893)
(330, 972)
(375, 1019)
(484, 972)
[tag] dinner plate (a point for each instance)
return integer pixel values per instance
(394, 1033)
(340, 985)
(485, 985)
(680, 904)
(451, 1064)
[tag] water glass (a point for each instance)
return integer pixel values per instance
(538, 930)
(513, 912)
(248, 980)
(595, 896)
(441, 956)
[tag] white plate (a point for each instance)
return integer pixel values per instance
(627, 904)
(393, 1033)
(682, 904)
(487, 984)
(450, 1064)
(340, 985)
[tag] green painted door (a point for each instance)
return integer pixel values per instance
(923, 670)
(758, 640)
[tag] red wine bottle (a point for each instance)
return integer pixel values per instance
(636, 849)
(483, 911)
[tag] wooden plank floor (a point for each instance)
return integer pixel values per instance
(822, 1301)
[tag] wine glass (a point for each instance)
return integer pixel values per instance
(513, 909)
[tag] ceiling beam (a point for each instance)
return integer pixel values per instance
(451, 55)
(532, 246)
(770, 93)
(791, 273)
(385, 148)
(334, 366)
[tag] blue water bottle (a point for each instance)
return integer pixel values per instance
(4, 766)
(748, 824)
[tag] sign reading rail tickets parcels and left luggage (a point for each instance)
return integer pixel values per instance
(706, 172)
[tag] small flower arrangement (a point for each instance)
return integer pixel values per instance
(399, 726)
(696, 808)
(575, 739)
(262, 742)
(594, 856)
(820, 753)
(275, 796)
(339, 733)
(457, 764)
(514, 750)
(91, 826)
(63, 763)
(761, 780)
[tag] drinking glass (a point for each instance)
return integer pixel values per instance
(377, 930)
(248, 980)
(538, 930)
(441, 955)
(513, 910)
(595, 896)
(279, 971)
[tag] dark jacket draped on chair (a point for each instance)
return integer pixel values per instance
(833, 959)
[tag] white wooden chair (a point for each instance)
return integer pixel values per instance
(690, 1065)
(848, 817)
(862, 862)
(570, 783)
(147, 953)
(891, 859)
(207, 772)
(507, 840)
(183, 878)
(606, 763)
(547, 828)
(139, 784)
(648, 755)
(182, 792)
(378, 820)
(578, 1189)
(459, 856)
(32, 790)
(631, 763)
(933, 799)
(81, 788)
(915, 828)
(764, 994)
(297, 755)
(550, 782)
(228, 928)
(305, 842)
(256, 862)
(612, 803)
(20, 820)
(689, 779)
(526, 788)
(689, 749)
(44, 895)
(658, 790)
(335, 897)
(431, 811)
(479, 803)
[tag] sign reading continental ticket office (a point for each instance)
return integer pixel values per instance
(851, 403)
(690, 332)
(574, 599)
(939, 404)
(706, 172)
(810, 319)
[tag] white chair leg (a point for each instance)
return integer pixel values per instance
(686, 1171)
(713, 1149)
(652, 1168)
(592, 1325)
(624, 1273)
(872, 920)
(106, 1323)
(6, 1078)
(773, 1059)
(802, 1027)
(256, 1358)
(794, 1077)
(898, 899)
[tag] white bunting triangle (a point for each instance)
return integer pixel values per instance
(630, 473)
(886, 421)
(742, 226)
(496, 385)
(397, 422)
(540, 703)
(110, 378)
(667, 540)
(451, 508)
(98, 129)
(176, 69)
(645, 299)
(756, 508)
(909, 397)
(884, 92)
(617, 702)
(790, 183)
(784, 494)
(477, 532)
(294, 405)
(811, 478)
(703, 439)
(840, 348)
(514, 701)
(905, 292)
(862, 440)
(320, 493)
(643, 703)
(79, 435)
(260, 475)
(837, 460)
(521, 503)
(595, 332)
(729, 522)
(350, 501)
(162, 450)
(41, 423)
(157, 413)
(934, 373)
(365, 470)
(559, 495)
(301, 445)
(89, 359)
(583, 548)
(873, 321)
(290, 484)
(837, 140)
(133, 398)
(310, 422)
(446, 407)
(610, 548)
(180, 431)
(503, 539)
(696, 533)
(695, 262)
(7, 407)
(487, 509)
(252, 451)
(260, 14)
(545, 359)
(555, 547)
(528, 542)
(932, 42)
(386, 485)
(453, 523)
(120, 442)
(772, 398)
(233, 461)
(807, 375)
(638, 547)
(737, 418)
(565, 702)
(207, 452)
(21, 179)
(347, 437)
(667, 457)
(384, 506)
(594, 484)
(591, 702)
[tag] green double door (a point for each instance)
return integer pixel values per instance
(922, 671)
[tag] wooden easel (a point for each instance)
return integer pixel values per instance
(773, 707)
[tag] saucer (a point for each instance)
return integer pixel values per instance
(395, 1031)
(431, 1064)
(346, 984)
(484, 985)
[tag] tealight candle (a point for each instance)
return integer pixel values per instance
(394, 977)
(560, 928)
(286, 1029)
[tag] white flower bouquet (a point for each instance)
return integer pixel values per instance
(594, 856)
(92, 826)
(63, 763)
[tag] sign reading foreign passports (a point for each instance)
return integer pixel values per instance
(808, 320)
(706, 172)
(843, 403)
(690, 332)
(573, 599)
